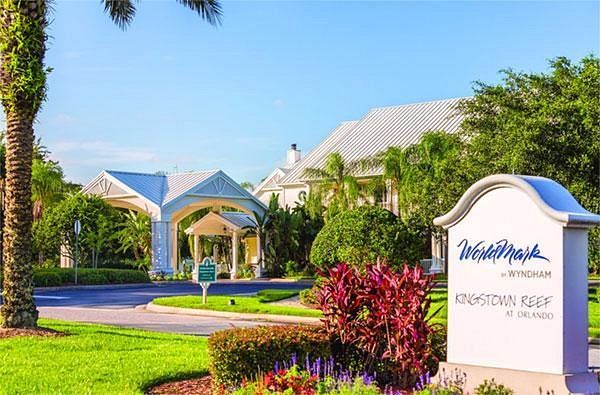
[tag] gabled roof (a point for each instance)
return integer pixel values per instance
(242, 220)
(316, 157)
(161, 189)
(272, 180)
(399, 126)
(233, 220)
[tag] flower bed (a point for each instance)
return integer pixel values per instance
(242, 353)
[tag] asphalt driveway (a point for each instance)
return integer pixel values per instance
(129, 297)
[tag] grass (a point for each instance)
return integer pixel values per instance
(258, 304)
(97, 359)
(274, 295)
(439, 301)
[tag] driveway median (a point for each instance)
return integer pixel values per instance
(276, 318)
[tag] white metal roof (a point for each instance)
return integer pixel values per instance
(316, 157)
(241, 220)
(161, 189)
(380, 128)
(233, 220)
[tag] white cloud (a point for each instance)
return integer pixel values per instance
(100, 153)
(62, 119)
(279, 103)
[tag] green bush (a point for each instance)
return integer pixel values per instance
(92, 278)
(57, 277)
(46, 279)
(241, 353)
(308, 297)
(223, 276)
(364, 234)
(492, 388)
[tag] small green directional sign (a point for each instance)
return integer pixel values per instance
(207, 271)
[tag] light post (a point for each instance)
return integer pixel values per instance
(77, 230)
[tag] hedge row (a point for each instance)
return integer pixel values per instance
(241, 353)
(56, 277)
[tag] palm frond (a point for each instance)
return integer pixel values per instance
(365, 165)
(120, 11)
(209, 10)
(316, 174)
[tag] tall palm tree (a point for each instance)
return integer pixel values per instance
(135, 235)
(22, 91)
(335, 183)
(261, 229)
(46, 185)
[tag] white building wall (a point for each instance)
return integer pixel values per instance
(291, 195)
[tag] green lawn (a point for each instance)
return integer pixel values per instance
(274, 295)
(97, 359)
(258, 304)
(439, 300)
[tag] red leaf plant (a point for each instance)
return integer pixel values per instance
(381, 316)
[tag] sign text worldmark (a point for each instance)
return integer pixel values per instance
(485, 252)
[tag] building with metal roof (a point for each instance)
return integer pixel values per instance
(396, 126)
(168, 198)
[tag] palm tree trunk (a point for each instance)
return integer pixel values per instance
(22, 89)
(19, 308)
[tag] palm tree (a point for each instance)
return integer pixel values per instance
(46, 185)
(261, 229)
(335, 183)
(135, 235)
(22, 91)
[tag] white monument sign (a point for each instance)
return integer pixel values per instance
(517, 286)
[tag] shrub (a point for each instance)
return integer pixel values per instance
(246, 271)
(92, 278)
(492, 388)
(223, 276)
(236, 354)
(46, 279)
(308, 297)
(378, 318)
(292, 269)
(58, 277)
(364, 235)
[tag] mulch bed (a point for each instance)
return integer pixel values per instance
(199, 386)
(6, 333)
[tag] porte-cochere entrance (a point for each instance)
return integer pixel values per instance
(167, 199)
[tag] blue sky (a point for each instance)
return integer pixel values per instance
(173, 93)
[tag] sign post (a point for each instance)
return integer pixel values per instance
(207, 274)
(76, 230)
(518, 287)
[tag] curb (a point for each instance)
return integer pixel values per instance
(282, 319)
(594, 341)
(265, 280)
(100, 286)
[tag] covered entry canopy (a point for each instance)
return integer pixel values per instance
(235, 225)
(167, 199)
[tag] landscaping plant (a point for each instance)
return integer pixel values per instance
(242, 353)
(364, 235)
(377, 320)
(318, 377)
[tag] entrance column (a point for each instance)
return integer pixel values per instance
(234, 254)
(160, 248)
(260, 266)
(196, 248)
(175, 249)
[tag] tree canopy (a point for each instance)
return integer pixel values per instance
(545, 124)
(364, 234)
